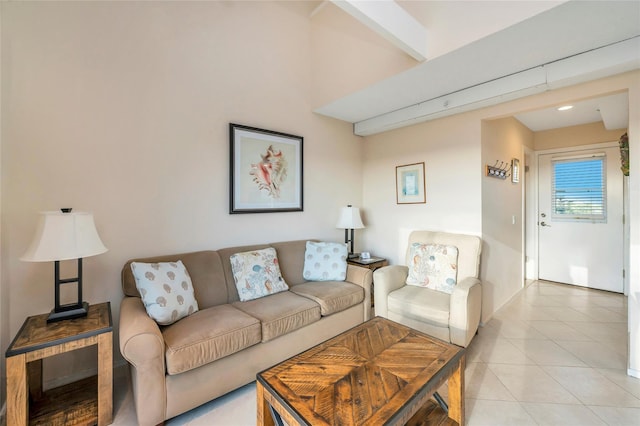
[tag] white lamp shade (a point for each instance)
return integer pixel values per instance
(350, 218)
(64, 236)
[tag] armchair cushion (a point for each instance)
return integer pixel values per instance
(433, 266)
(421, 304)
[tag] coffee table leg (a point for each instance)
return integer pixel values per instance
(264, 416)
(456, 393)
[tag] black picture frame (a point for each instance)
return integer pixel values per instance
(266, 171)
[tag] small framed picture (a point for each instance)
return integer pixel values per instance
(515, 170)
(266, 171)
(410, 184)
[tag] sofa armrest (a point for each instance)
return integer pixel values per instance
(142, 345)
(387, 279)
(362, 277)
(464, 311)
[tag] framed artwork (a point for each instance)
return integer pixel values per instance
(266, 171)
(410, 184)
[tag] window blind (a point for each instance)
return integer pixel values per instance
(579, 188)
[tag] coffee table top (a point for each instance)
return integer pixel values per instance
(379, 372)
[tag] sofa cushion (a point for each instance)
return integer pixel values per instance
(257, 274)
(206, 272)
(325, 261)
(208, 335)
(291, 257)
(433, 266)
(332, 296)
(281, 313)
(166, 290)
(421, 304)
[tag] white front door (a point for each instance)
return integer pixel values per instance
(580, 209)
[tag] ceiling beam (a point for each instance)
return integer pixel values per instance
(597, 63)
(392, 22)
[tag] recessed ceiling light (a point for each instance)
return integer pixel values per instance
(565, 107)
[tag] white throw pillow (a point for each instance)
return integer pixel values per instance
(166, 290)
(257, 274)
(325, 261)
(434, 266)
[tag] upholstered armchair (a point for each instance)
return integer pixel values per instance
(426, 305)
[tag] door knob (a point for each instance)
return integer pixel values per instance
(544, 224)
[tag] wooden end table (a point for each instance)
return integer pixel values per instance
(82, 402)
(378, 373)
(372, 263)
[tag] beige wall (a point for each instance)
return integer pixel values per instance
(450, 149)
(122, 109)
(584, 134)
(348, 56)
(502, 214)
(460, 199)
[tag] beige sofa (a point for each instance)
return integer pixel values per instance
(451, 317)
(222, 346)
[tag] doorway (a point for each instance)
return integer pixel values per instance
(580, 218)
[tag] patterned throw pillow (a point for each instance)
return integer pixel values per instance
(434, 266)
(257, 274)
(325, 261)
(166, 290)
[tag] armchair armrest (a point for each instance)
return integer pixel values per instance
(142, 345)
(362, 277)
(387, 279)
(464, 311)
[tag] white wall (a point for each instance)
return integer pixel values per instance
(122, 109)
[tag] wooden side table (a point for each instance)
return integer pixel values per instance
(82, 402)
(373, 263)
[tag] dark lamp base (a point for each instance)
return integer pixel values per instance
(353, 255)
(66, 312)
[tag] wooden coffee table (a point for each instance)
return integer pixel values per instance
(378, 373)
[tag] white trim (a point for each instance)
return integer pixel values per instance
(391, 21)
(530, 180)
(633, 373)
(577, 148)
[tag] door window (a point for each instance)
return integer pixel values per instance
(578, 190)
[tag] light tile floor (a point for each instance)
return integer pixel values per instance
(554, 355)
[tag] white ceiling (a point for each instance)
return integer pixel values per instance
(573, 42)
(612, 110)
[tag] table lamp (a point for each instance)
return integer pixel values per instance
(349, 220)
(60, 236)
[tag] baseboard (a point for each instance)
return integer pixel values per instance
(633, 373)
